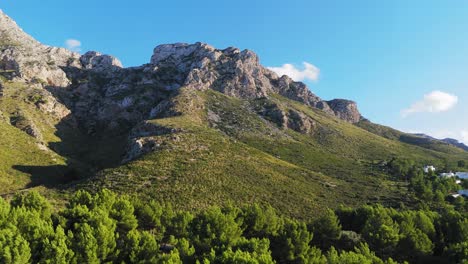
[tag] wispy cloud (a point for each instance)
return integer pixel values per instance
(309, 72)
(73, 45)
(432, 102)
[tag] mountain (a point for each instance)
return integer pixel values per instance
(455, 143)
(450, 141)
(418, 139)
(423, 139)
(195, 126)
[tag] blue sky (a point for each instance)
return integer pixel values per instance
(404, 62)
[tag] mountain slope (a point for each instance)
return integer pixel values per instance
(220, 149)
(195, 126)
(445, 146)
(450, 141)
(224, 151)
(455, 143)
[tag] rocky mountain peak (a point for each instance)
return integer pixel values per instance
(12, 34)
(172, 66)
(93, 60)
(22, 58)
(201, 66)
(178, 52)
(238, 73)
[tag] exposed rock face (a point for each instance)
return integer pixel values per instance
(299, 92)
(23, 123)
(143, 139)
(99, 96)
(138, 147)
(237, 73)
(300, 122)
(199, 66)
(345, 109)
(24, 58)
(275, 114)
(291, 119)
(99, 62)
(230, 71)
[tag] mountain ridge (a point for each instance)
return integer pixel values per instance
(189, 127)
(450, 141)
(252, 80)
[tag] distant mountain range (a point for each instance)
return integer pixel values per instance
(450, 141)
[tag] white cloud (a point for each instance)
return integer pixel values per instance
(432, 102)
(73, 45)
(310, 72)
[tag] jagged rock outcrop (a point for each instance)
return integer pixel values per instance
(143, 139)
(275, 114)
(237, 73)
(345, 109)
(298, 91)
(101, 97)
(24, 58)
(25, 124)
(300, 122)
(199, 66)
(46, 102)
(291, 119)
(93, 60)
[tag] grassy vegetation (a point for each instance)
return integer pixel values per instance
(61, 153)
(393, 134)
(226, 153)
(23, 161)
(19, 154)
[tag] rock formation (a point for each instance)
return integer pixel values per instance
(345, 109)
(99, 95)
(237, 73)
(24, 58)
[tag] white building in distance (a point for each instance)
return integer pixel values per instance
(447, 175)
(429, 168)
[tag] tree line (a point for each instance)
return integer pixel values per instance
(427, 189)
(108, 228)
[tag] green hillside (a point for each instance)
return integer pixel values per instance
(226, 152)
(39, 149)
(390, 133)
(25, 161)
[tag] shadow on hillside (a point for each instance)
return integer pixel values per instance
(72, 147)
(88, 146)
(49, 176)
(85, 155)
(76, 146)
